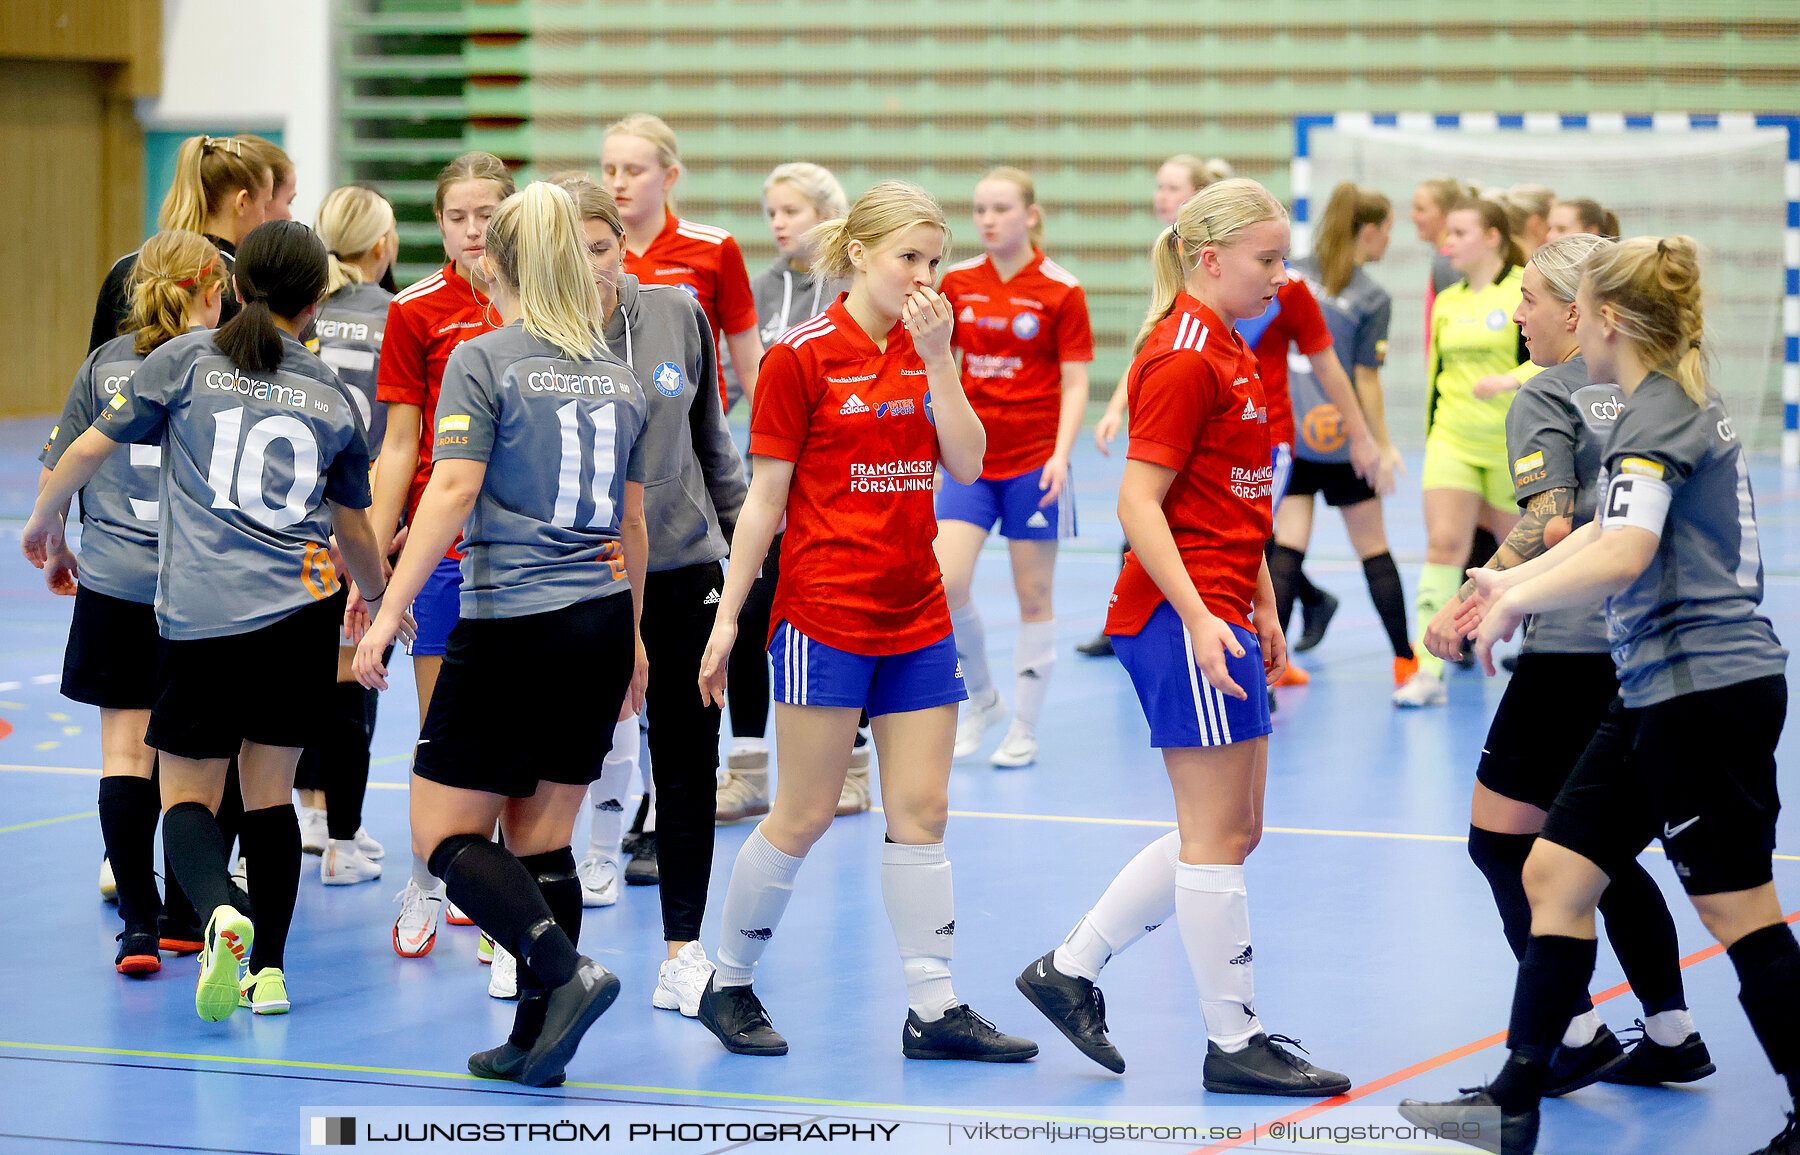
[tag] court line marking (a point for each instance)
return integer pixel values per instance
(466, 1077)
(50, 821)
(1436, 1061)
(1155, 823)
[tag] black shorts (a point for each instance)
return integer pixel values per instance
(271, 686)
(529, 699)
(1335, 481)
(114, 650)
(1697, 771)
(1550, 711)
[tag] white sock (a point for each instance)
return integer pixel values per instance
(424, 879)
(971, 650)
(1139, 900)
(1213, 912)
(749, 745)
(607, 797)
(1582, 1029)
(1034, 656)
(921, 907)
(762, 881)
(1669, 1028)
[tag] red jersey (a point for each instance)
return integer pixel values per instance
(857, 568)
(425, 324)
(1298, 320)
(1197, 408)
(707, 264)
(1014, 337)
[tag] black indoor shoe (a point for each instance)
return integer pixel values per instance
(1573, 1068)
(507, 1062)
(574, 1007)
(1786, 1143)
(643, 869)
(962, 1034)
(1476, 1110)
(1100, 647)
(137, 954)
(1264, 1067)
(1075, 1006)
(1314, 619)
(1649, 1063)
(736, 1016)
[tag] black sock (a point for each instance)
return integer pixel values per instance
(494, 889)
(271, 845)
(1284, 575)
(1552, 977)
(554, 871)
(195, 851)
(1501, 859)
(1768, 967)
(1390, 600)
(1308, 594)
(1643, 936)
(230, 815)
(344, 758)
(129, 809)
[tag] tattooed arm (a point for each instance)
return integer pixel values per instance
(1548, 518)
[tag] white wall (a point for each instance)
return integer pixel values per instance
(258, 64)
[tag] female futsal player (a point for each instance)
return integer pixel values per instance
(853, 412)
(539, 455)
(1352, 233)
(1195, 504)
(796, 197)
(1466, 478)
(1561, 689)
(425, 324)
(1687, 751)
(265, 461)
(176, 285)
(1022, 329)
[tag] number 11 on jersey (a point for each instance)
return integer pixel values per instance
(602, 437)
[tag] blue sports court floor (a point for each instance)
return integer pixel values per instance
(1376, 938)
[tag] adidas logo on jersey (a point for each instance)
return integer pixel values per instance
(967, 315)
(711, 599)
(854, 405)
(1037, 520)
(1249, 413)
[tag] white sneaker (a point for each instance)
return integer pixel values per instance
(748, 754)
(343, 864)
(1422, 689)
(1018, 748)
(681, 979)
(599, 881)
(975, 723)
(455, 917)
(503, 980)
(313, 832)
(109, 887)
(854, 797)
(240, 874)
(371, 849)
(415, 931)
(486, 949)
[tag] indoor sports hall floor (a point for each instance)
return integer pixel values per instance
(1376, 939)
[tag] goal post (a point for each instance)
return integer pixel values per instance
(1732, 181)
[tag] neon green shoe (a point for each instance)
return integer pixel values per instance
(225, 950)
(264, 992)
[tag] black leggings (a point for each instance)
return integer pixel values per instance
(748, 670)
(684, 737)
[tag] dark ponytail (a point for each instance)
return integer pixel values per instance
(281, 269)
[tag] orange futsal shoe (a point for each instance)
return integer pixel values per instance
(1293, 676)
(1404, 669)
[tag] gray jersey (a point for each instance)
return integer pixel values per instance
(250, 461)
(560, 438)
(784, 298)
(348, 335)
(119, 505)
(695, 484)
(1689, 622)
(1358, 319)
(1556, 433)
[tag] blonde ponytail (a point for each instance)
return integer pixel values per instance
(174, 268)
(535, 243)
(890, 207)
(1212, 218)
(208, 172)
(352, 221)
(1653, 286)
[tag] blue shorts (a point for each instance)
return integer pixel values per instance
(436, 609)
(1281, 462)
(1181, 705)
(810, 673)
(1013, 503)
